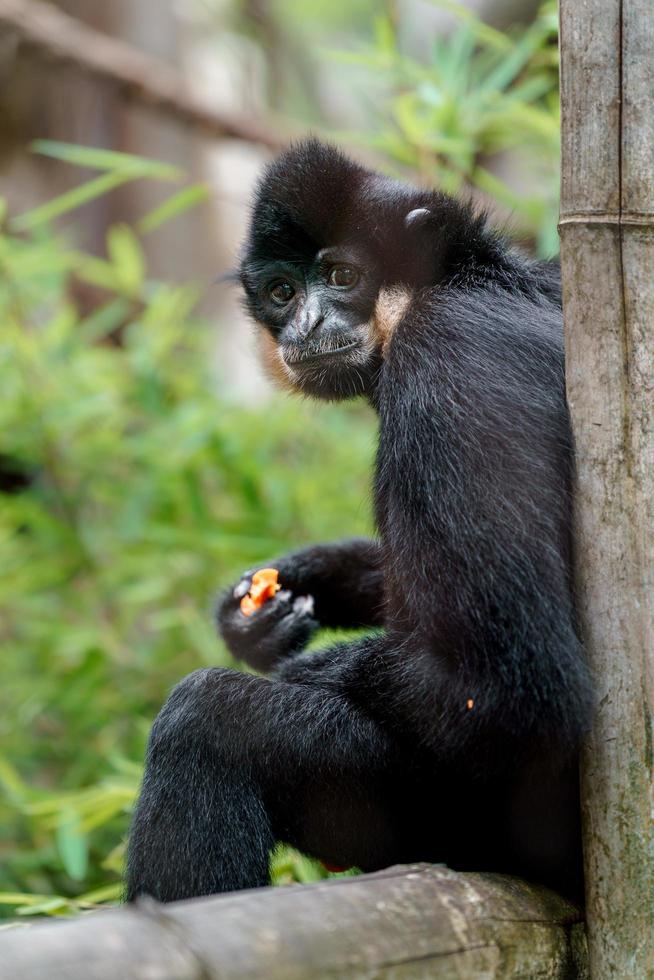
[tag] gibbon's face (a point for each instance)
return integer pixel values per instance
(323, 321)
(332, 256)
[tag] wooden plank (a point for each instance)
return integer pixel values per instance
(607, 248)
(401, 924)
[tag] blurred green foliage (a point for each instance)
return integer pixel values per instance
(473, 109)
(131, 490)
(453, 116)
(142, 492)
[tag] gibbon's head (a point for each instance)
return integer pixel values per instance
(333, 256)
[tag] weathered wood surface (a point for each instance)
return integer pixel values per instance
(61, 39)
(607, 244)
(407, 922)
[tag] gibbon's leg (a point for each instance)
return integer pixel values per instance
(332, 585)
(237, 762)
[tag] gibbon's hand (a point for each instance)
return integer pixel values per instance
(282, 626)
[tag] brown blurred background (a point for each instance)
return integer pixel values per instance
(246, 59)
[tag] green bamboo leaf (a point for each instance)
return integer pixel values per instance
(72, 845)
(105, 814)
(72, 199)
(548, 239)
(98, 159)
(22, 898)
(11, 782)
(108, 893)
(187, 198)
(97, 272)
(115, 859)
(50, 907)
(126, 258)
(127, 767)
(104, 320)
(532, 89)
(384, 35)
(484, 32)
(459, 52)
(510, 67)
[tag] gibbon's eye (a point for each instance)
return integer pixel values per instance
(343, 276)
(281, 293)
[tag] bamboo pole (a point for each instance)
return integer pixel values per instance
(607, 249)
(401, 924)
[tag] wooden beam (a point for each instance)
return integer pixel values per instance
(407, 922)
(607, 248)
(54, 36)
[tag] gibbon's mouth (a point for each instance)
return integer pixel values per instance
(299, 359)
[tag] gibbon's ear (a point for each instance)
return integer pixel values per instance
(417, 217)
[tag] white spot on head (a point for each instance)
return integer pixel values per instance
(416, 217)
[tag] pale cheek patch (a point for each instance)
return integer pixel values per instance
(392, 303)
(273, 363)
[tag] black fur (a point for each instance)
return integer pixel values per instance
(452, 733)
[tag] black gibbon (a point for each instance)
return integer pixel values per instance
(451, 732)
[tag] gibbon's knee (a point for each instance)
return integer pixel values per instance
(199, 712)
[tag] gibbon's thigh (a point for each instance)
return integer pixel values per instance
(328, 777)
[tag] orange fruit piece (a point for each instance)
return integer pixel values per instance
(248, 605)
(264, 586)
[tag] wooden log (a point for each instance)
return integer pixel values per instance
(63, 40)
(406, 922)
(607, 247)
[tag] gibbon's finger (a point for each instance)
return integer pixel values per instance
(304, 605)
(243, 587)
(272, 610)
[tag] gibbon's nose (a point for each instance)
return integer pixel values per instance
(309, 317)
